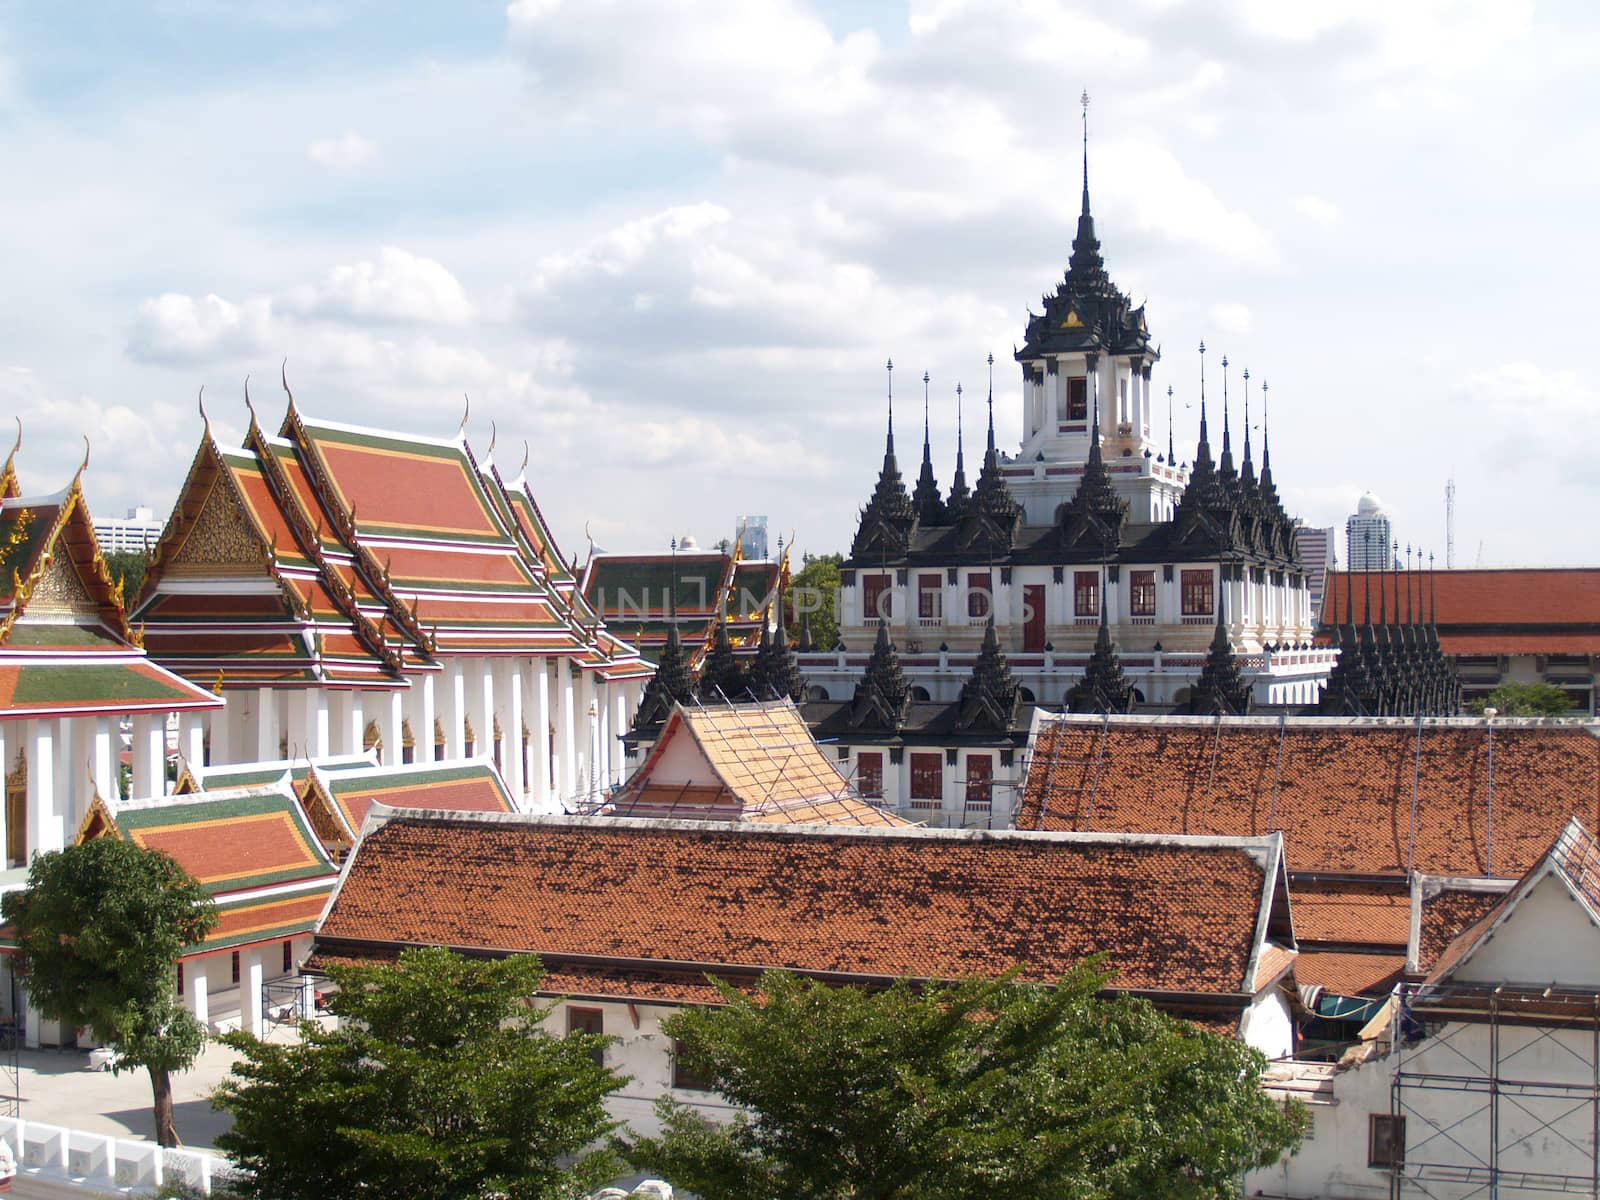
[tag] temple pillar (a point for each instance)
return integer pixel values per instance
(216, 733)
(192, 738)
(310, 730)
(100, 747)
(510, 689)
(478, 677)
(46, 829)
(451, 701)
(266, 725)
(345, 722)
(619, 727)
(539, 731)
(427, 715)
(391, 717)
(251, 977)
(197, 982)
(567, 731)
(149, 756)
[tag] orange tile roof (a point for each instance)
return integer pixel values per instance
(1348, 974)
(1340, 789)
(751, 762)
(1175, 915)
(1352, 914)
(1444, 914)
(1497, 611)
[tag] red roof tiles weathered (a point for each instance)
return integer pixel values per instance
(1175, 915)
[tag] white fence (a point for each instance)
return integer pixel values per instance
(99, 1164)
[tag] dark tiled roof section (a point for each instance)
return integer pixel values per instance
(1349, 974)
(1340, 790)
(1352, 914)
(1444, 916)
(1174, 915)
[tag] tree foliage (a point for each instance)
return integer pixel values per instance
(1526, 700)
(100, 927)
(814, 589)
(983, 1088)
(435, 1086)
(128, 568)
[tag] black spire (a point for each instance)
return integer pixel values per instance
(930, 507)
(1206, 522)
(1104, 688)
(1172, 454)
(674, 681)
(1086, 270)
(993, 514)
(1225, 468)
(1095, 513)
(887, 519)
(1222, 689)
(1247, 469)
(960, 494)
(989, 697)
(883, 696)
(722, 675)
(776, 673)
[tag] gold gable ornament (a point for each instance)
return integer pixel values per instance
(1073, 321)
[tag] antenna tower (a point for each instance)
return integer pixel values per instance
(1450, 523)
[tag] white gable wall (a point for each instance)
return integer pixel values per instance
(1548, 937)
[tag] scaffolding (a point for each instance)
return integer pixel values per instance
(1482, 1042)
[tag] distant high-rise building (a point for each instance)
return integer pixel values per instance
(1319, 549)
(138, 534)
(753, 536)
(1370, 536)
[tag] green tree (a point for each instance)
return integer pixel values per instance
(815, 589)
(128, 568)
(436, 1085)
(1526, 700)
(100, 927)
(982, 1088)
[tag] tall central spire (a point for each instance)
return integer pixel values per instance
(956, 502)
(1086, 270)
(1084, 100)
(926, 498)
(889, 448)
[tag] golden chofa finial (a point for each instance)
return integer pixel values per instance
(465, 413)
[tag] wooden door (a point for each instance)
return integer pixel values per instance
(1033, 617)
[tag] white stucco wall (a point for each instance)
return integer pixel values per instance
(1268, 1026)
(1548, 938)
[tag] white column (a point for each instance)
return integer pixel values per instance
(393, 708)
(240, 742)
(480, 703)
(46, 830)
(251, 977)
(216, 725)
(427, 716)
(539, 731)
(71, 770)
(197, 982)
(192, 738)
(319, 728)
(342, 711)
(567, 730)
(266, 722)
(450, 699)
(624, 711)
(103, 743)
(149, 756)
(510, 671)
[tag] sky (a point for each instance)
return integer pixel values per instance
(670, 244)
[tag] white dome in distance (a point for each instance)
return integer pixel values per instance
(1369, 506)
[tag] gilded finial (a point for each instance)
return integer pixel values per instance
(84, 465)
(18, 445)
(202, 403)
(465, 413)
(247, 403)
(494, 436)
(283, 377)
(524, 468)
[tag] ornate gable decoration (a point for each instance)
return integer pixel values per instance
(883, 697)
(989, 698)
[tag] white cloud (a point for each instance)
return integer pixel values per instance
(1231, 318)
(342, 153)
(173, 328)
(1316, 209)
(399, 286)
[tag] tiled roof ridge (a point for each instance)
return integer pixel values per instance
(321, 480)
(454, 442)
(412, 769)
(1264, 849)
(370, 635)
(1322, 721)
(282, 788)
(109, 604)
